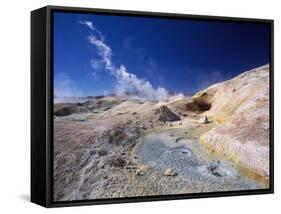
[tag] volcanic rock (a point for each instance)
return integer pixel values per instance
(142, 170)
(243, 115)
(166, 115)
(170, 172)
(66, 109)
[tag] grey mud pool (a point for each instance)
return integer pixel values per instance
(171, 149)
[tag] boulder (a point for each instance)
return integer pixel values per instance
(66, 109)
(102, 152)
(170, 172)
(166, 115)
(142, 170)
(203, 120)
(116, 161)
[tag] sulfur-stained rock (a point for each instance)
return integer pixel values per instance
(243, 133)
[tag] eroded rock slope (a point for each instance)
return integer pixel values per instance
(240, 106)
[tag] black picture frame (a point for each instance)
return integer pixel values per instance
(42, 105)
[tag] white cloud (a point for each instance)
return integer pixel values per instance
(96, 66)
(88, 24)
(208, 78)
(161, 93)
(92, 28)
(103, 50)
(65, 87)
(130, 84)
(127, 84)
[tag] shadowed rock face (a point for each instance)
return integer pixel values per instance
(241, 107)
(66, 109)
(166, 115)
(202, 102)
(196, 104)
(102, 104)
(96, 105)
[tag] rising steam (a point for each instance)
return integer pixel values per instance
(127, 84)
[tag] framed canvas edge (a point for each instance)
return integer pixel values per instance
(51, 8)
(49, 101)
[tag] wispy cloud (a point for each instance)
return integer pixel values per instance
(88, 24)
(65, 87)
(96, 66)
(130, 45)
(209, 78)
(126, 83)
(104, 51)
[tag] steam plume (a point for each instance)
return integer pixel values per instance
(127, 84)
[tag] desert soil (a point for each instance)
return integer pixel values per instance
(112, 147)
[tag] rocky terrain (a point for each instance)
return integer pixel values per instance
(217, 140)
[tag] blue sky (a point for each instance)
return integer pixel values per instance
(176, 55)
